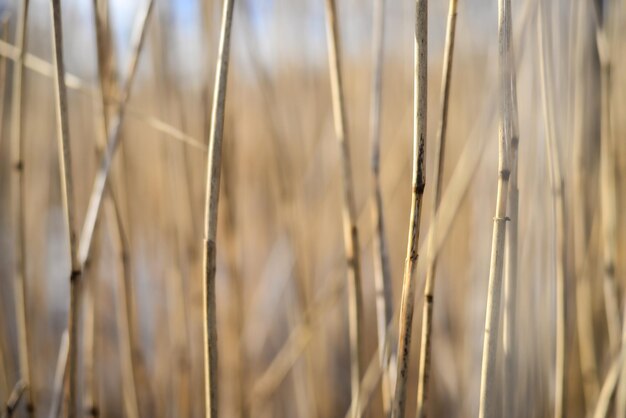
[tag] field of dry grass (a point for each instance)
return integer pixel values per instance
(240, 199)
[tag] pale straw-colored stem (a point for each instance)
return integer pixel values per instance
(382, 269)
(431, 270)
(18, 188)
(350, 228)
(211, 205)
(67, 195)
(558, 208)
(420, 89)
(492, 317)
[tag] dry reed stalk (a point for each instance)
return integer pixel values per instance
(586, 78)
(175, 293)
(18, 188)
(58, 382)
(556, 181)
(608, 191)
(15, 397)
(67, 194)
(211, 205)
(122, 316)
(73, 82)
(4, 386)
(100, 182)
(420, 86)
(238, 302)
(440, 147)
(374, 372)
(509, 340)
(125, 317)
(601, 409)
(350, 228)
(4, 33)
(492, 316)
(382, 270)
(91, 292)
(620, 397)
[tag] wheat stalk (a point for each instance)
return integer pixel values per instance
(440, 146)
(420, 86)
(492, 316)
(211, 205)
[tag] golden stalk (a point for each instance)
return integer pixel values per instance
(505, 159)
(18, 187)
(350, 228)
(214, 161)
(440, 146)
(420, 90)
(67, 195)
(556, 180)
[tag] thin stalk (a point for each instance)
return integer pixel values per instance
(509, 341)
(382, 269)
(492, 316)
(102, 176)
(75, 83)
(620, 397)
(211, 205)
(4, 33)
(440, 147)
(608, 193)
(67, 194)
(122, 316)
(4, 386)
(60, 373)
(175, 293)
(586, 81)
(608, 387)
(350, 228)
(19, 208)
(420, 90)
(238, 301)
(556, 180)
(125, 316)
(15, 397)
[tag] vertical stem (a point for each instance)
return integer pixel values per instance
(556, 180)
(492, 316)
(586, 82)
(350, 229)
(67, 190)
(58, 382)
(19, 191)
(4, 26)
(420, 86)
(509, 341)
(382, 270)
(440, 147)
(608, 192)
(114, 135)
(211, 206)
